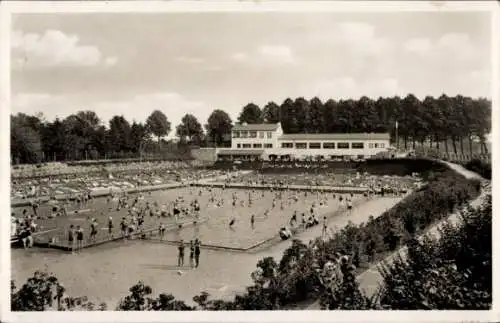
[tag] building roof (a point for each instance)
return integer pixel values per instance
(256, 127)
(335, 136)
(246, 152)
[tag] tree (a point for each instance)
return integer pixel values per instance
(53, 140)
(271, 113)
(314, 116)
(140, 300)
(26, 146)
(218, 124)
(190, 128)
(453, 272)
(44, 292)
(79, 129)
(330, 124)
(250, 114)
(483, 121)
(408, 125)
(138, 136)
(158, 124)
(119, 134)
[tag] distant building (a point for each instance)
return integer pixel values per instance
(268, 142)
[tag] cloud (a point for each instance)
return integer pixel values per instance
(458, 45)
(213, 68)
(110, 61)
(267, 54)
(418, 45)
(348, 87)
(276, 53)
(137, 107)
(54, 48)
(357, 37)
(449, 47)
(190, 60)
(239, 57)
(475, 83)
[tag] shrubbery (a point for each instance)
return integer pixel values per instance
(453, 273)
(44, 292)
(480, 167)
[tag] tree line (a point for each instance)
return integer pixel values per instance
(437, 122)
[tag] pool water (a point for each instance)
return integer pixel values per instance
(217, 231)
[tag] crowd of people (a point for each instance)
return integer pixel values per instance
(373, 183)
(130, 215)
(74, 185)
(63, 169)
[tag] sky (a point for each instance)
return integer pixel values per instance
(133, 63)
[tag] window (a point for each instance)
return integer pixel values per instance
(301, 145)
(382, 145)
(257, 145)
(268, 145)
(358, 145)
(253, 134)
(370, 145)
(236, 134)
(328, 145)
(244, 134)
(314, 145)
(247, 146)
(261, 134)
(287, 145)
(269, 134)
(238, 145)
(343, 145)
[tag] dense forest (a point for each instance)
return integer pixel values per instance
(452, 123)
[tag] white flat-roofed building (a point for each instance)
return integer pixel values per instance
(268, 142)
(255, 136)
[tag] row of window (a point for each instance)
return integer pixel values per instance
(253, 134)
(316, 145)
(259, 146)
(331, 145)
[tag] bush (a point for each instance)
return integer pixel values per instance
(44, 292)
(480, 167)
(452, 273)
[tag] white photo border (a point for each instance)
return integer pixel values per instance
(19, 7)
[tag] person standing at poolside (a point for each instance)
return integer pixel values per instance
(110, 227)
(123, 227)
(325, 227)
(93, 231)
(34, 206)
(161, 231)
(71, 238)
(79, 238)
(180, 257)
(191, 254)
(197, 245)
